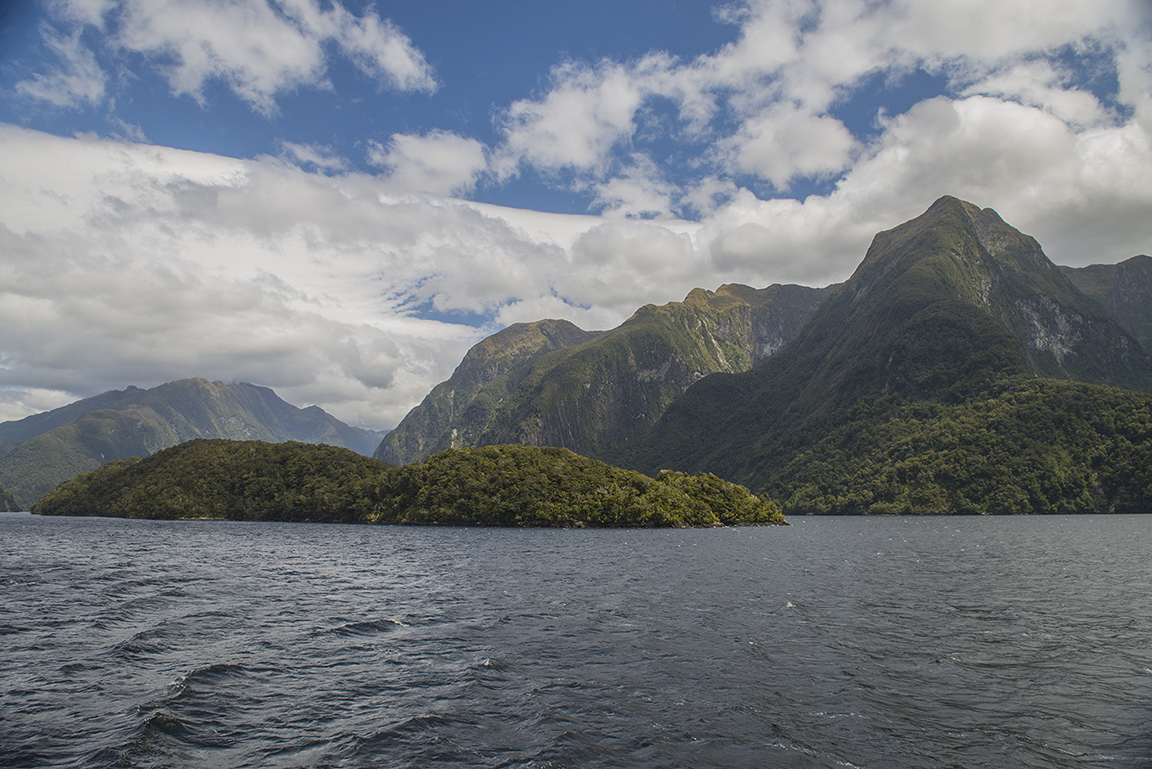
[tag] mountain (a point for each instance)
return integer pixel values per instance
(1125, 289)
(16, 432)
(942, 377)
(492, 486)
(591, 394)
(456, 411)
(137, 422)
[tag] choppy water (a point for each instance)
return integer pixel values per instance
(836, 642)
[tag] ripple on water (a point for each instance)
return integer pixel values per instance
(833, 643)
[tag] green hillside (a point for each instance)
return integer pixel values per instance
(8, 503)
(591, 396)
(165, 416)
(17, 431)
(492, 486)
(935, 339)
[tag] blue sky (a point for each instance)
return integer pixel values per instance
(336, 199)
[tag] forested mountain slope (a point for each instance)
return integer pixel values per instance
(904, 383)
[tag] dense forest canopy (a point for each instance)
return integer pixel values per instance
(491, 486)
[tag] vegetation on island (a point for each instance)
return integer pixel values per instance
(8, 503)
(490, 486)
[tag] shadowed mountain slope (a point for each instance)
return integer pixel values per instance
(457, 410)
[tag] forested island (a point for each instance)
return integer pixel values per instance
(490, 486)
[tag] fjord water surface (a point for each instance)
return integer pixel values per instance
(836, 642)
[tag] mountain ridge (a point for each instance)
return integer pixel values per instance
(144, 421)
(591, 394)
(942, 310)
(1125, 289)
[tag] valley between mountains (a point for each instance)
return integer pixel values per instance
(957, 371)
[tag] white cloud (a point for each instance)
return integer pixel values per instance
(439, 162)
(313, 156)
(784, 143)
(588, 112)
(78, 82)
(637, 190)
(991, 30)
(17, 403)
(1040, 84)
(764, 104)
(321, 283)
(383, 51)
(257, 48)
(620, 262)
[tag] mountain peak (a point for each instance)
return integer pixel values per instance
(941, 309)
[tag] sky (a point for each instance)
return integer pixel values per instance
(336, 199)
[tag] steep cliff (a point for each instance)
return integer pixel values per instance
(1125, 289)
(458, 410)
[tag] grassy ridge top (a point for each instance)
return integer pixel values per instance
(491, 486)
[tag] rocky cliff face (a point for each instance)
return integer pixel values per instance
(597, 392)
(1125, 289)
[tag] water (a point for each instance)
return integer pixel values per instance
(836, 642)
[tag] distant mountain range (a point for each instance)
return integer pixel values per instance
(41, 451)
(957, 371)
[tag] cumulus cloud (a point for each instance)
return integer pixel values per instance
(765, 105)
(784, 143)
(1042, 84)
(588, 111)
(257, 48)
(439, 162)
(637, 190)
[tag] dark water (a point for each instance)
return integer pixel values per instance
(837, 642)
